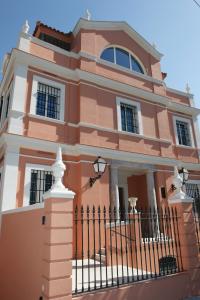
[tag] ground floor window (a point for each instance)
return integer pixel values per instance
(41, 181)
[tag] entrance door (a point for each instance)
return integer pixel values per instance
(121, 203)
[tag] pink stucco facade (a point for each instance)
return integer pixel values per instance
(92, 94)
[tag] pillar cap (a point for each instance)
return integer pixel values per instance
(65, 194)
(180, 197)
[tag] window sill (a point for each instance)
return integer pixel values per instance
(128, 71)
(43, 118)
(185, 147)
(141, 136)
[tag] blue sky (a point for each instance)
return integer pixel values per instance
(174, 26)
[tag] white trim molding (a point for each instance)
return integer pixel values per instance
(27, 179)
(188, 121)
(39, 79)
(18, 100)
(9, 178)
(76, 150)
(106, 129)
(119, 101)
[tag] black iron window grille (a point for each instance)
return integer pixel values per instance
(48, 101)
(129, 118)
(41, 182)
(7, 106)
(183, 133)
(1, 107)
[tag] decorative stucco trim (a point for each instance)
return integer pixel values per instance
(9, 178)
(76, 150)
(181, 93)
(43, 118)
(106, 129)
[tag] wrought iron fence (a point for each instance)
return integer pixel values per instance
(196, 210)
(114, 247)
(192, 191)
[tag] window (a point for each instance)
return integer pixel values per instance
(129, 116)
(122, 58)
(183, 132)
(7, 106)
(48, 99)
(108, 55)
(41, 181)
(1, 107)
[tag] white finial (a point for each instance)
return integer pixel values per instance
(177, 180)
(25, 27)
(187, 88)
(154, 45)
(88, 15)
(58, 169)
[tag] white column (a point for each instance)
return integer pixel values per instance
(114, 187)
(126, 195)
(151, 190)
(9, 179)
(18, 99)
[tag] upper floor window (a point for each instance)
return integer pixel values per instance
(48, 101)
(183, 132)
(122, 58)
(48, 98)
(129, 116)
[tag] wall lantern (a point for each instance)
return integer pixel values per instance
(99, 166)
(184, 174)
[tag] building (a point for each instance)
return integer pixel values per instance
(96, 91)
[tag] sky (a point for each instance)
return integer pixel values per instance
(173, 25)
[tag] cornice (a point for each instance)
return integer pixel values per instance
(13, 141)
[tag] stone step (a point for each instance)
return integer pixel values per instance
(100, 258)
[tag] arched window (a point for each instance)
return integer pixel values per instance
(122, 58)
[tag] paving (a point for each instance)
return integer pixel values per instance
(90, 272)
